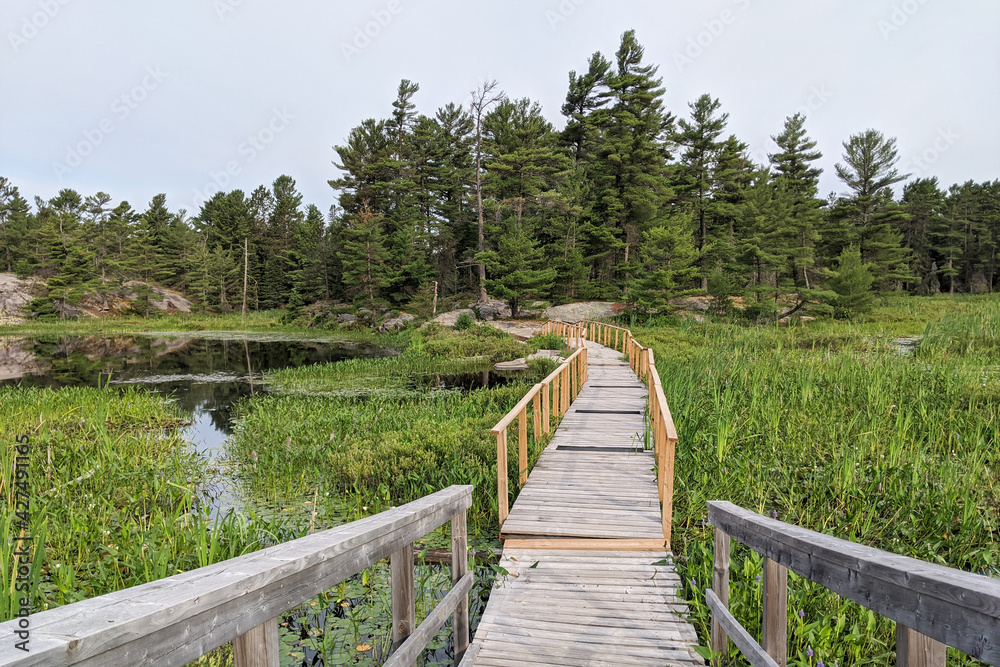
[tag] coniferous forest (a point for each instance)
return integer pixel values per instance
(631, 201)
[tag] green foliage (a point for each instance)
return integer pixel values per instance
(112, 496)
(627, 203)
(465, 322)
(853, 285)
(831, 429)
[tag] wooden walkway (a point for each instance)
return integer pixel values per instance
(590, 581)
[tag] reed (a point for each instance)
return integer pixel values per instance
(830, 428)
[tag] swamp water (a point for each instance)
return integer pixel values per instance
(205, 375)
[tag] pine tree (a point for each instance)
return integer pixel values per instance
(694, 180)
(629, 172)
(853, 284)
(14, 228)
(669, 260)
(587, 93)
(363, 257)
(792, 165)
(517, 268)
(923, 202)
(870, 172)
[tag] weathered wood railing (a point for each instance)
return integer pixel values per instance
(549, 400)
(178, 619)
(933, 606)
(661, 422)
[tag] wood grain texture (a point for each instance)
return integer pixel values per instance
(404, 613)
(956, 608)
(774, 636)
(752, 651)
(257, 648)
(916, 650)
(569, 607)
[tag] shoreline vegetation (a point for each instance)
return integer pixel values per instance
(829, 425)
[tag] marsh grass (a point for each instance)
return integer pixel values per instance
(831, 429)
(114, 494)
(377, 451)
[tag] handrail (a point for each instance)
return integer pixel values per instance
(549, 398)
(178, 619)
(933, 606)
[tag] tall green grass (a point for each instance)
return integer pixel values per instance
(376, 452)
(831, 429)
(114, 492)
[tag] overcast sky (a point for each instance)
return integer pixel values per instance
(140, 97)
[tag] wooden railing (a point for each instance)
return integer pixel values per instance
(640, 358)
(549, 400)
(178, 619)
(933, 606)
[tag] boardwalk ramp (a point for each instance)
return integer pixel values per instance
(590, 579)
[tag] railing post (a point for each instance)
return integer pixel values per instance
(556, 394)
(459, 566)
(720, 584)
(257, 647)
(522, 445)
(616, 339)
(916, 650)
(536, 414)
(667, 517)
(775, 622)
(403, 610)
(502, 502)
(546, 407)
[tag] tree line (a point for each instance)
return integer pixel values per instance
(629, 202)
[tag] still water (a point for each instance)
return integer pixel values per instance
(204, 374)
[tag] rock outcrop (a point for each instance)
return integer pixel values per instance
(14, 295)
(450, 318)
(396, 323)
(585, 310)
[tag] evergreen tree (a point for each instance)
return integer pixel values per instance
(14, 228)
(871, 214)
(669, 260)
(695, 180)
(853, 284)
(923, 202)
(629, 172)
(792, 165)
(517, 267)
(363, 257)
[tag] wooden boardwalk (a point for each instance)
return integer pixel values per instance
(591, 582)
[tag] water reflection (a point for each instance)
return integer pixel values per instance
(204, 376)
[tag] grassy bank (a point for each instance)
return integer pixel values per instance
(830, 428)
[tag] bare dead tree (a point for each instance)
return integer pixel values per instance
(482, 99)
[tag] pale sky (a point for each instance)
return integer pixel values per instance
(140, 97)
